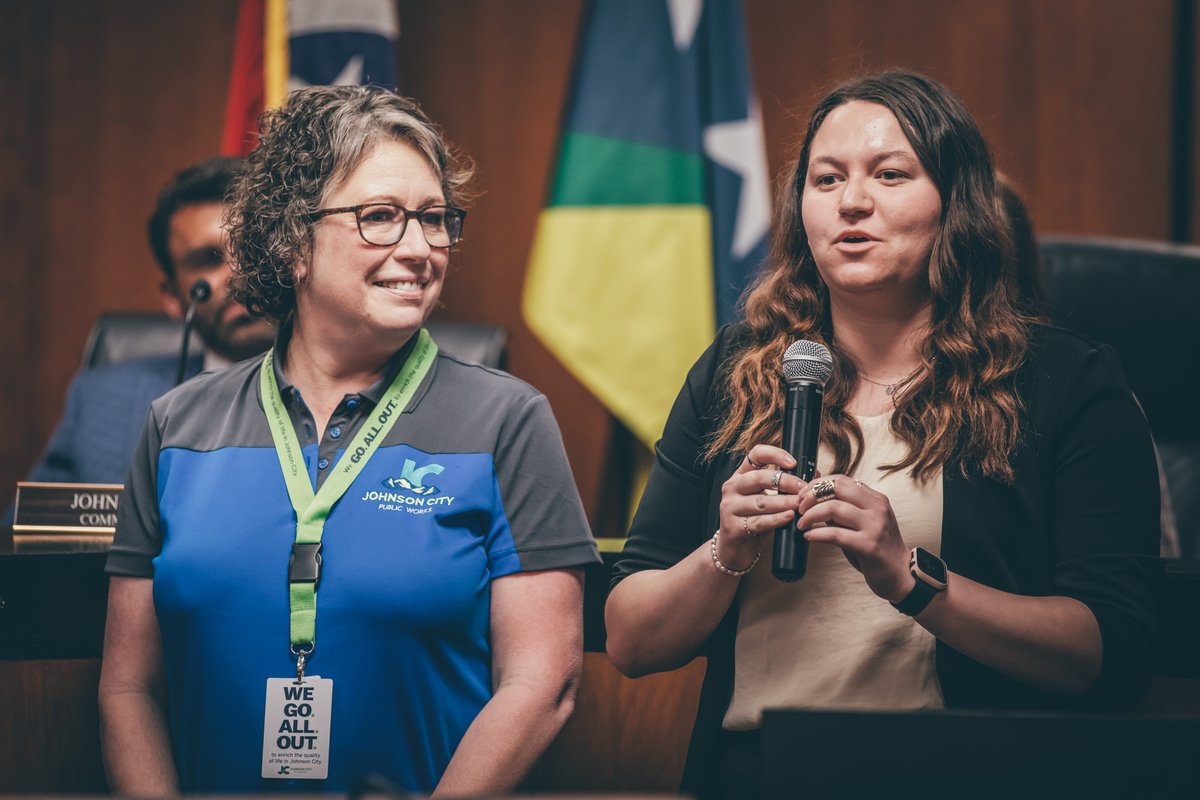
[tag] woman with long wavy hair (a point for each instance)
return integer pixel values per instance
(966, 462)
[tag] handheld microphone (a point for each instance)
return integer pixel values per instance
(806, 366)
(200, 292)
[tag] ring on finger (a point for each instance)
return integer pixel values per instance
(823, 490)
(752, 462)
(774, 487)
(746, 526)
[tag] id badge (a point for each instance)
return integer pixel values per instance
(296, 728)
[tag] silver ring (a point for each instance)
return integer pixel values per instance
(775, 479)
(823, 490)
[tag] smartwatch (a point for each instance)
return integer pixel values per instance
(930, 572)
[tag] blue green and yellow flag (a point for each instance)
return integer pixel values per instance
(659, 207)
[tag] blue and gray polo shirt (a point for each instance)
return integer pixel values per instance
(471, 484)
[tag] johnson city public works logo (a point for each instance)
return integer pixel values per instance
(410, 491)
(412, 478)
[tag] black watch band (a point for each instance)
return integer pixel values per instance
(930, 573)
(917, 599)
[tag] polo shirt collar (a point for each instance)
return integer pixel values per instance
(374, 393)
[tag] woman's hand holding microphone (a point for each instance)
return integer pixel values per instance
(845, 512)
(836, 509)
(758, 498)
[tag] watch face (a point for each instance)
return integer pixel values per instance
(930, 564)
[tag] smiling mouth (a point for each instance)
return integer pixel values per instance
(403, 286)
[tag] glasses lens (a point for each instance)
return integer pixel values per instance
(382, 224)
(442, 225)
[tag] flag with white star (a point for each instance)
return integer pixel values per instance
(282, 45)
(658, 211)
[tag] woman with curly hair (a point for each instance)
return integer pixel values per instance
(447, 557)
(982, 531)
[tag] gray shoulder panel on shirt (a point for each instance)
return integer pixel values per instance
(460, 407)
(214, 410)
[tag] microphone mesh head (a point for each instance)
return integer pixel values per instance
(201, 291)
(808, 362)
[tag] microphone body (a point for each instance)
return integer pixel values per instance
(200, 292)
(807, 366)
(801, 434)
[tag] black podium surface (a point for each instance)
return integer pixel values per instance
(978, 754)
(53, 597)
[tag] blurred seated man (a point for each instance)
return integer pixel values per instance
(106, 406)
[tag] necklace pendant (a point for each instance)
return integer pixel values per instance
(890, 389)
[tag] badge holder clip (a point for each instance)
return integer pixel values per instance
(305, 564)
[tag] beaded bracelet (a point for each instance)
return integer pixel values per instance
(737, 573)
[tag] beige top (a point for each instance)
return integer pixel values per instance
(827, 641)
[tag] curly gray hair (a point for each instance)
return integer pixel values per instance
(308, 146)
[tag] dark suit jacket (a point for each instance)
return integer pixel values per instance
(105, 413)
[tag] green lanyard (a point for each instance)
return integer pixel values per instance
(304, 568)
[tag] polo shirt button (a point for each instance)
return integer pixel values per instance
(335, 432)
(323, 463)
(351, 404)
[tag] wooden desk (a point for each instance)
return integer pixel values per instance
(51, 632)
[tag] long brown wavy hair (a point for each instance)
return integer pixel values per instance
(965, 403)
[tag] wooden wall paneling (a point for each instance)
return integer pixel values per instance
(1074, 96)
(133, 91)
(801, 50)
(1101, 115)
(20, 228)
(79, 267)
(496, 76)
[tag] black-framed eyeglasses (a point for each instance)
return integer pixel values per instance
(383, 224)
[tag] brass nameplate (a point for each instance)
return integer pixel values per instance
(86, 508)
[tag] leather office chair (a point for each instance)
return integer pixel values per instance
(472, 341)
(121, 335)
(1143, 298)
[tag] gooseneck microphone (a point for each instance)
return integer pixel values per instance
(806, 366)
(200, 292)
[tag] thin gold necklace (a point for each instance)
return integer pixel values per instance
(890, 389)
